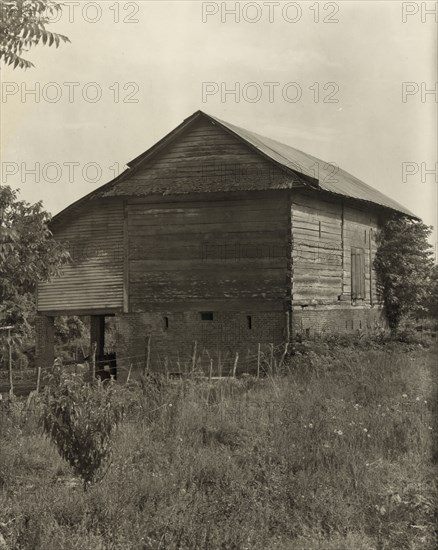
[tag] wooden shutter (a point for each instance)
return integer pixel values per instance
(357, 274)
(361, 255)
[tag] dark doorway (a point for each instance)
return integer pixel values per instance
(102, 332)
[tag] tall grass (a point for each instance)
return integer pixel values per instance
(337, 454)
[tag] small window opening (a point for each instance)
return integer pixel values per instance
(206, 316)
(249, 321)
(166, 323)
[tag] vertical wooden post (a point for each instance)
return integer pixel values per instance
(178, 363)
(271, 361)
(219, 365)
(126, 257)
(129, 373)
(93, 361)
(148, 356)
(210, 373)
(283, 357)
(195, 345)
(11, 382)
(166, 369)
(38, 379)
(236, 359)
(343, 281)
(287, 326)
(258, 361)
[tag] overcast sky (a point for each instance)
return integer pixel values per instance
(137, 69)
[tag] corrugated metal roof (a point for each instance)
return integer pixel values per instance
(328, 176)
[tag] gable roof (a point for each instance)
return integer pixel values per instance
(313, 172)
(330, 177)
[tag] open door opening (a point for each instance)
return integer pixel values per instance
(103, 334)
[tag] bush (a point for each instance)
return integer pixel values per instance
(80, 418)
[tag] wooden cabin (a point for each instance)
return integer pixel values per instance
(220, 237)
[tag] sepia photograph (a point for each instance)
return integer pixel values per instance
(218, 275)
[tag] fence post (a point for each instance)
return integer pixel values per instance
(283, 357)
(271, 361)
(195, 345)
(166, 367)
(258, 361)
(129, 373)
(235, 364)
(93, 361)
(11, 382)
(38, 380)
(148, 356)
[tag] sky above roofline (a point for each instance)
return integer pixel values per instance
(350, 84)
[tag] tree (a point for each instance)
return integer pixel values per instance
(403, 264)
(23, 25)
(432, 301)
(28, 253)
(80, 418)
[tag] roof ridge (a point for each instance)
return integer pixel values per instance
(283, 155)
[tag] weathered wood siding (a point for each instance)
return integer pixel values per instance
(93, 280)
(205, 158)
(323, 234)
(208, 254)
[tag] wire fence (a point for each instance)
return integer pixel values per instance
(266, 360)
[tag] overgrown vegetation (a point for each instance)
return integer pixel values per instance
(337, 455)
(404, 268)
(28, 253)
(80, 418)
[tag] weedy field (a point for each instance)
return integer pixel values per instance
(338, 453)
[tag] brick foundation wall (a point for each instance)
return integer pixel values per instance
(220, 338)
(172, 348)
(311, 320)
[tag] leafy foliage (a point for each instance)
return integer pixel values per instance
(80, 418)
(72, 338)
(28, 253)
(403, 263)
(23, 25)
(69, 328)
(432, 302)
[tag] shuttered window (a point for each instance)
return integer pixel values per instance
(357, 274)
